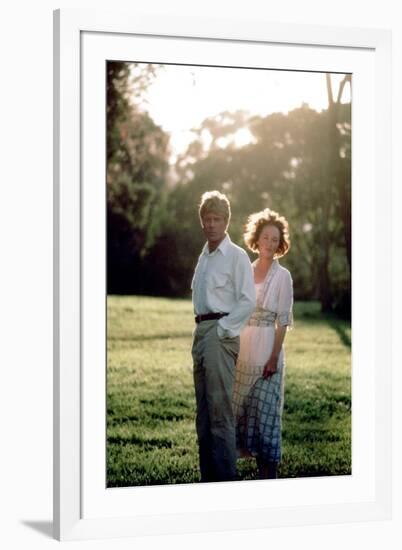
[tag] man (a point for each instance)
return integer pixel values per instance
(223, 299)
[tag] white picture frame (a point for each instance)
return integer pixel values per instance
(83, 507)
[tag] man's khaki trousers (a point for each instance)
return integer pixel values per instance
(214, 364)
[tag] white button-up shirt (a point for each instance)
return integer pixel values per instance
(223, 282)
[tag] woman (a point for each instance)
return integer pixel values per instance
(259, 378)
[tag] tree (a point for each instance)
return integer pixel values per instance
(339, 178)
(296, 163)
(287, 166)
(136, 169)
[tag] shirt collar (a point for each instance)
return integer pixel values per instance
(223, 247)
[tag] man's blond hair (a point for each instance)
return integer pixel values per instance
(216, 203)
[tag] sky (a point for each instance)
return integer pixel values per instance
(181, 97)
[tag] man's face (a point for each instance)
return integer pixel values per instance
(214, 227)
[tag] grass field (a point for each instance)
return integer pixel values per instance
(150, 397)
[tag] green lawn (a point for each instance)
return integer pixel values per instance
(150, 397)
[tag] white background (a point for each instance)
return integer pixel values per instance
(26, 274)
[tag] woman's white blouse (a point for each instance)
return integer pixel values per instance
(275, 296)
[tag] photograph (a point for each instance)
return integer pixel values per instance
(228, 270)
(194, 222)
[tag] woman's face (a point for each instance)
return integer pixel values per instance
(268, 242)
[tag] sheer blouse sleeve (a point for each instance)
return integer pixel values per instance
(285, 301)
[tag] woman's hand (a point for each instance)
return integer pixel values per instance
(270, 367)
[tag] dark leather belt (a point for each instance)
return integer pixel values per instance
(209, 317)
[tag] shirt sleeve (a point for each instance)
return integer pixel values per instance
(243, 281)
(285, 301)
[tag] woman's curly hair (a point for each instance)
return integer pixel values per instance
(256, 223)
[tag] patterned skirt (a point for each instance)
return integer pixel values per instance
(258, 407)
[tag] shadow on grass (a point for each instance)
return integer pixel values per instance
(309, 312)
(339, 328)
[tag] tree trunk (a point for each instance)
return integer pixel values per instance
(337, 174)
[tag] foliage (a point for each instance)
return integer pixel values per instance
(150, 396)
(136, 172)
(285, 168)
(297, 163)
